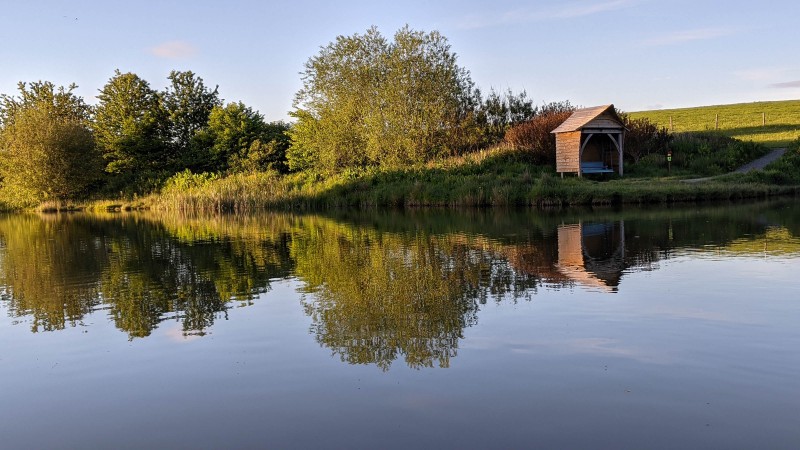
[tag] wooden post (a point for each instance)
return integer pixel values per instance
(763, 119)
(671, 129)
(716, 121)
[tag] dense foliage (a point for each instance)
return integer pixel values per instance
(367, 101)
(643, 137)
(131, 129)
(47, 150)
(535, 137)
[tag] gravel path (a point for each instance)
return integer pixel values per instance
(757, 164)
(762, 162)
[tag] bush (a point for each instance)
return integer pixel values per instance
(534, 137)
(650, 165)
(644, 138)
(784, 171)
(712, 153)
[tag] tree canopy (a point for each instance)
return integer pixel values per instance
(47, 150)
(129, 126)
(188, 103)
(240, 139)
(369, 101)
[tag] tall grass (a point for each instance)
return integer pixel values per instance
(743, 121)
(498, 177)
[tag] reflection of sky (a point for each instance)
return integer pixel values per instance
(660, 317)
(700, 353)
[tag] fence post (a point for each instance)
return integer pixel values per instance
(763, 119)
(671, 129)
(716, 121)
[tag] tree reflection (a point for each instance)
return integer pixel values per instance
(56, 269)
(374, 297)
(377, 288)
(49, 270)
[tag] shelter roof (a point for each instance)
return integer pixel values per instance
(581, 117)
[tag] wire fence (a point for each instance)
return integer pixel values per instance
(721, 122)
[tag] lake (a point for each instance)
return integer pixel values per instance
(665, 327)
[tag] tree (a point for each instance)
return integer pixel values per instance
(130, 127)
(188, 104)
(241, 140)
(48, 150)
(266, 152)
(367, 101)
(501, 111)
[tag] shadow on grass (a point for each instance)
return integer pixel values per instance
(766, 131)
(496, 180)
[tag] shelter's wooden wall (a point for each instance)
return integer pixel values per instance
(568, 146)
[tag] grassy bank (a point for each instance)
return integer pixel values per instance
(501, 177)
(774, 124)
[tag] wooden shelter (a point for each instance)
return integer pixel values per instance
(590, 141)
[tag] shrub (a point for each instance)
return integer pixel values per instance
(650, 165)
(534, 137)
(644, 138)
(712, 153)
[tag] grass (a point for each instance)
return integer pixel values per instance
(741, 121)
(499, 177)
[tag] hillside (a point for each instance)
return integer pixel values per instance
(774, 124)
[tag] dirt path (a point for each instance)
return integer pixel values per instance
(757, 164)
(762, 162)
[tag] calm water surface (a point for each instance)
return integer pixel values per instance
(657, 328)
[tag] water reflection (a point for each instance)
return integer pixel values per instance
(57, 269)
(592, 253)
(375, 296)
(377, 287)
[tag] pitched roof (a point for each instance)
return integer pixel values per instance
(581, 117)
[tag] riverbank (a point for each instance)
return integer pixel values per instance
(488, 180)
(497, 178)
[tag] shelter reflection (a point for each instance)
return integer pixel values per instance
(592, 253)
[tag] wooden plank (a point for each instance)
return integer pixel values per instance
(567, 145)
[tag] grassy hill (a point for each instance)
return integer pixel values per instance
(774, 124)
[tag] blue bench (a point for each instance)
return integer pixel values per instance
(595, 167)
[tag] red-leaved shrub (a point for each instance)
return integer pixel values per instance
(534, 137)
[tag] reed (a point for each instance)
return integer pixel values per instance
(499, 177)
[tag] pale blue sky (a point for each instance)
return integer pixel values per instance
(637, 54)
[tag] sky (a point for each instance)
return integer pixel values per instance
(636, 54)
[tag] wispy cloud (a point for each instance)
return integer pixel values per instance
(772, 77)
(680, 37)
(761, 73)
(526, 15)
(579, 9)
(174, 50)
(786, 85)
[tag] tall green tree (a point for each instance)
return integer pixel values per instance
(130, 128)
(240, 140)
(47, 149)
(188, 103)
(368, 101)
(501, 111)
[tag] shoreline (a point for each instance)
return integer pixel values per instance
(550, 194)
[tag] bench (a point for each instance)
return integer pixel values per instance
(595, 167)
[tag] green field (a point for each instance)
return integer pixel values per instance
(774, 124)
